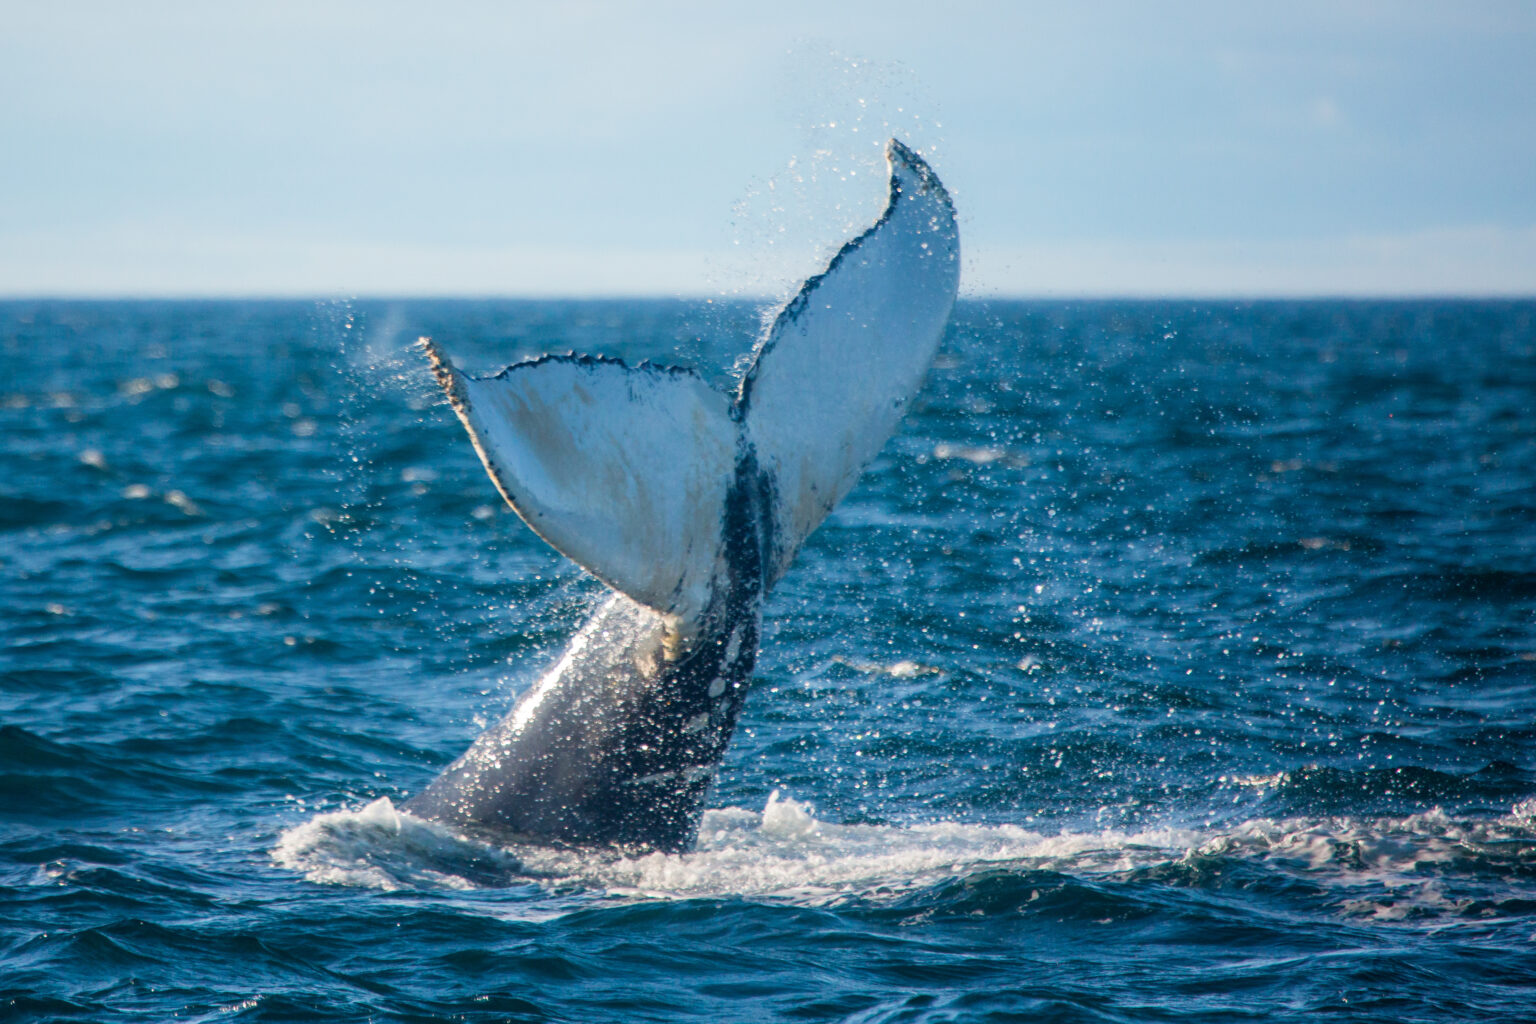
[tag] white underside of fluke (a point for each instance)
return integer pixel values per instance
(623, 469)
(833, 377)
(626, 470)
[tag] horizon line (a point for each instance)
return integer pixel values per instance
(762, 299)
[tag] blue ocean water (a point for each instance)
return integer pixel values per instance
(1176, 662)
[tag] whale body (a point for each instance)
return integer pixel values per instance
(689, 504)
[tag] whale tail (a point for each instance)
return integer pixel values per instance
(627, 469)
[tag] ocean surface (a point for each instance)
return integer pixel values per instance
(1175, 662)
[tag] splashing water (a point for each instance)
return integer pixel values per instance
(1386, 868)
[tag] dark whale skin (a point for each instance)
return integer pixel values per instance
(617, 744)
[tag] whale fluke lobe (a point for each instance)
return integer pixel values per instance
(831, 379)
(690, 504)
(622, 469)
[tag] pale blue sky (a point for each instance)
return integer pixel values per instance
(1201, 149)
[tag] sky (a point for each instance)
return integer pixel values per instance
(717, 149)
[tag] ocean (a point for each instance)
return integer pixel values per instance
(1176, 661)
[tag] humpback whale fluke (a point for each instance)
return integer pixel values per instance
(690, 504)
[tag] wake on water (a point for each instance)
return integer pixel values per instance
(1387, 868)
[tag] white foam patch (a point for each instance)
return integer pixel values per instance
(981, 455)
(380, 847)
(1385, 868)
(903, 669)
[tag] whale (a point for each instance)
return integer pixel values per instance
(689, 504)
